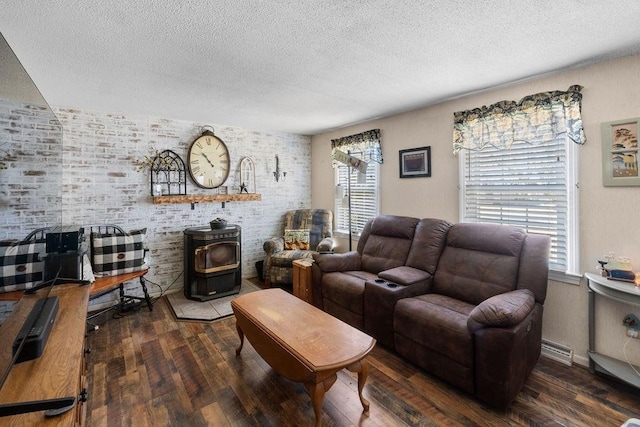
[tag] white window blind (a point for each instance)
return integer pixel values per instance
(364, 198)
(529, 186)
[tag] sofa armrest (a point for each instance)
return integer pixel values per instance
(504, 358)
(326, 245)
(273, 245)
(404, 275)
(348, 261)
(502, 310)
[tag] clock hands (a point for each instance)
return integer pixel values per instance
(207, 159)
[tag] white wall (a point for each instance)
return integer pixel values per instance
(608, 215)
(30, 186)
(101, 185)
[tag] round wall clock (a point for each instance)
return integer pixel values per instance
(208, 160)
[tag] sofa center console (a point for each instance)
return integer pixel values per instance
(382, 283)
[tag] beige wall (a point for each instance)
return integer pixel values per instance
(609, 216)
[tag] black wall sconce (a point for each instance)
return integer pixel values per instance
(277, 173)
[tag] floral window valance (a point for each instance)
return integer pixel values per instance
(535, 119)
(367, 143)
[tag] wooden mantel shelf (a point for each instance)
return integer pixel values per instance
(197, 198)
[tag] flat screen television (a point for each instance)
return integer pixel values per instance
(30, 127)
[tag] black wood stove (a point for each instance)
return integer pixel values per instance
(212, 262)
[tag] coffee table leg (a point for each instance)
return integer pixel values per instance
(241, 335)
(362, 368)
(317, 390)
(317, 394)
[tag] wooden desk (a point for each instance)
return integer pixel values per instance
(301, 342)
(302, 286)
(102, 286)
(60, 371)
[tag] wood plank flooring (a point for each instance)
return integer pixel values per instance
(146, 369)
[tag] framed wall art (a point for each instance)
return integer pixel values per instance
(620, 153)
(415, 162)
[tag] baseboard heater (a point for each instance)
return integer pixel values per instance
(557, 352)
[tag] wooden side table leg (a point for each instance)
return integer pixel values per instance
(147, 298)
(241, 335)
(120, 305)
(362, 368)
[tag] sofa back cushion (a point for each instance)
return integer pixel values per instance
(428, 243)
(387, 242)
(479, 261)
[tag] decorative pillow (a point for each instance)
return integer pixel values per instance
(115, 254)
(87, 269)
(296, 240)
(21, 265)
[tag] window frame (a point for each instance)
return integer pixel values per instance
(572, 274)
(373, 168)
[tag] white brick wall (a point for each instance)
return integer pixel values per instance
(101, 185)
(31, 144)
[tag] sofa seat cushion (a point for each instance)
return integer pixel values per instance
(438, 323)
(286, 258)
(346, 289)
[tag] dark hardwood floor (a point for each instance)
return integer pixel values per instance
(147, 369)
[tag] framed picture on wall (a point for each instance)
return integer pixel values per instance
(415, 162)
(620, 153)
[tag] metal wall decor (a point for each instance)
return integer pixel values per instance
(247, 176)
(278, 173)
(168, 174)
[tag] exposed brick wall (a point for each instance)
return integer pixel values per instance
(31, 148)
(100, 183)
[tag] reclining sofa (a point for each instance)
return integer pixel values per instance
(462, 301)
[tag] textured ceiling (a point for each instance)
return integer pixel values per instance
(301, 66)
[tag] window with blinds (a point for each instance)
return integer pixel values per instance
(364, 198)
(529, 186)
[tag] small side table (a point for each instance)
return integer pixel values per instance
(617, 291)
(302, 279)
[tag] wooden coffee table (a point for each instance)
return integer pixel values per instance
(301, 342)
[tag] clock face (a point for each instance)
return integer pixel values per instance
(208, 161)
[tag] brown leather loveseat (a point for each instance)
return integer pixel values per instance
(464, 301)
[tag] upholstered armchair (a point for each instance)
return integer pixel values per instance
(306, 231)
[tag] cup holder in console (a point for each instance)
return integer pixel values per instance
(392, 285)
(379, 280)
